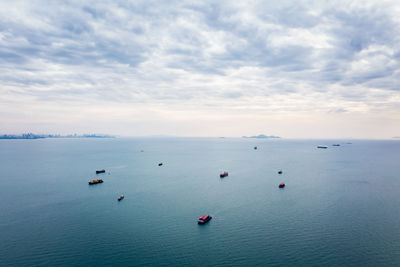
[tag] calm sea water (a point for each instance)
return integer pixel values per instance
(340, 207)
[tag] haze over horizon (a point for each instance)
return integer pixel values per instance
(140, 68)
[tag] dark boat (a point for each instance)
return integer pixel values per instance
(100, 171)
(336, 145)
(160, 164)
(281, 185)
(121, 197)
(204, 219)
(96, 181)
(255, 148)
(322, 146)
(223, 175)
(280, 172)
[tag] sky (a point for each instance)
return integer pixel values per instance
(296, 69)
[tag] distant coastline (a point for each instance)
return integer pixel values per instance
(40, 136)
(261, 136)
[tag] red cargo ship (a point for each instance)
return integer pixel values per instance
(204, 219)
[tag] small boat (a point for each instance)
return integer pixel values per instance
(121, 197)
(255, 148)
(281, 185)
(96, 181)
(322, 146)
(336, 145)
(223, 175)
(100, 171)
(280, 172)
(204, 219)
(160, 164)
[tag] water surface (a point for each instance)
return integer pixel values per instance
(340, 206)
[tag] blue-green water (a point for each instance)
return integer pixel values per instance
(340, 207)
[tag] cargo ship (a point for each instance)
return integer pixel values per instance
(322, 146)
(100, 171)
(96, 181)
(204, 219)
(223, 175)
(281, 185)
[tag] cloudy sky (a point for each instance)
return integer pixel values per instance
(297, 69)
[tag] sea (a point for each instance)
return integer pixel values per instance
(340, 205)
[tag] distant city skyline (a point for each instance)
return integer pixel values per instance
(295, 69)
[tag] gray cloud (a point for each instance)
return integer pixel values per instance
(202, 54)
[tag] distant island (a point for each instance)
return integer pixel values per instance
(39, 136)
(261, 136)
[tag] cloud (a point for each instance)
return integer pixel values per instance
(260, 58)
